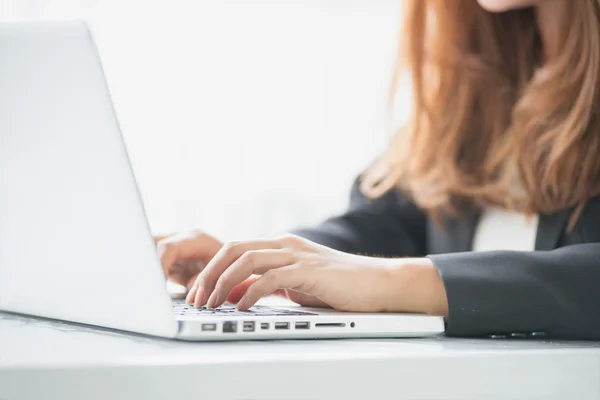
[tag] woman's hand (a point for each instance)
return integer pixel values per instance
(322, 275)
(184, 255)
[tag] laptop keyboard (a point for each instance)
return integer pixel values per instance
(180, 307)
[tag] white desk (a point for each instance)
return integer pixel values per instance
(52, 360)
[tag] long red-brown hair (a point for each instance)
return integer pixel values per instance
(494, 121)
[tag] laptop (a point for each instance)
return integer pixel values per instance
(75, 244)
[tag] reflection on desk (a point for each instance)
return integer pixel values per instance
(72, 362)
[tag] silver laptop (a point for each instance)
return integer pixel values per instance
(74, 240)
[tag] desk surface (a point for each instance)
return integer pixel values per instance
(73, 362)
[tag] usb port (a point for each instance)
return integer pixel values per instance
(264, 326)
(248, 326)
(209, 327)
(229, 327)
(302, 325)
(282, 325)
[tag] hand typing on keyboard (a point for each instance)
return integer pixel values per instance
(184, 255)
(308, 273)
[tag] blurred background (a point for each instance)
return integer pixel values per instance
(243, 117)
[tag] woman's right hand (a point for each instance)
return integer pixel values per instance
(184, 255)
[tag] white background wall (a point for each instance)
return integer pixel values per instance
(242, 117)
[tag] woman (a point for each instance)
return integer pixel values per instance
(486, 207)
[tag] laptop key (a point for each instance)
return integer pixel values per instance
(228, 309)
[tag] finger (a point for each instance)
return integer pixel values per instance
(183, 248)
(191, 296)
(197, 292)
(193, 289)
(224, 258)
(253, 262)
(289, 277)
(239, 290)
(195, 296)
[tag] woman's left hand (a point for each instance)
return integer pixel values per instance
(307, 270)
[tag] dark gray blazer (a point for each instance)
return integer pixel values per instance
(554, 289)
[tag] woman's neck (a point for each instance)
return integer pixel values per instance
(549, 14)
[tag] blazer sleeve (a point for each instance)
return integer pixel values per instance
(389, 226)
(556, 292)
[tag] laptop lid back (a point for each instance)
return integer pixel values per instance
(74, 239)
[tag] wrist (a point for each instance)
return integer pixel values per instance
(418, 287)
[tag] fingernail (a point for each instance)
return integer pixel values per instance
(212, 300)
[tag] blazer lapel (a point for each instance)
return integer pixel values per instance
(550, 227)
